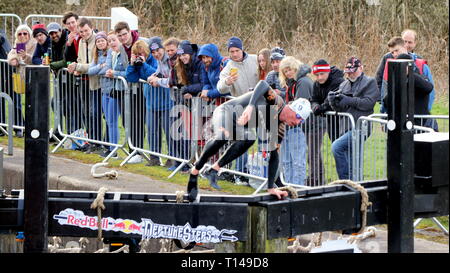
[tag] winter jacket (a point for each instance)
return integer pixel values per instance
(95, 68)
(29, 48)
(300, 87)
(274, 81)
(85, 56)
(320, 91)
(40, 51)
(5, 46)
(357, 98)
(58, 57)
(247, 76)
(118, 62)
(210, 75)
(194, 72)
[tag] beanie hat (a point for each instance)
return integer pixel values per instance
(155, 43)
(321, 66)
(39, 28)
(277, 53)
(234, 42)
(101, 35)
(185, 47)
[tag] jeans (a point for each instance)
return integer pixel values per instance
(111, 110)
(342, 152)
(157, 121)
(293, 156)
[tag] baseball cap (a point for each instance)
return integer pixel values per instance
(352, 65)
(302, 107)
(53, 27)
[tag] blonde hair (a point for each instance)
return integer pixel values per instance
(266, 54)
(288, 62)
(140, 44)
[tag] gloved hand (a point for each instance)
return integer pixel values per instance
(318, 110)
(346, 101)
(331, 96)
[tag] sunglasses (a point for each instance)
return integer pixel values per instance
(22, 34)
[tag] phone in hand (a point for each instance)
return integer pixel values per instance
(20, 47)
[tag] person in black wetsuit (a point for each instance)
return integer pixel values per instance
(265, 112)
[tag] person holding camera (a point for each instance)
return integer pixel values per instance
(357, 95)
(142, 65)
(159, 102)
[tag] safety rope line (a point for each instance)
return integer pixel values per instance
(99, 206)
(365, 203)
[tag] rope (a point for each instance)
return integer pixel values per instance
(316, 240)
(98, 204)
(110, 175)
(364, 199)
(371, 232)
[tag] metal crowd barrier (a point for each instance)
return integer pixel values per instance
(90, 118)
(8, 23)
(371, 164)
(7, 87)
(101, 23)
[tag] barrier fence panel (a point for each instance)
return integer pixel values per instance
(8, 24)
(90, 113)
(12, 83)
(99, 23)
(372, 157)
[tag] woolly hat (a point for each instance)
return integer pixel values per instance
(277, 53)
(39, 28)
(101, 35)
(321, 66)
(234, 42)
(155, 43)
(185, 47)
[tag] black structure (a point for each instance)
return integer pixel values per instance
(417, 186)
(400, 159)
(36, 158)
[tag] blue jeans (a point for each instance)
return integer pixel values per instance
(111, 110)
(157, 121)
(342, 152)
(293, 156)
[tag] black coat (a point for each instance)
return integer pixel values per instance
(320, 91)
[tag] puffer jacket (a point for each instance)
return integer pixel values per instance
(210, 75)
(247, 76)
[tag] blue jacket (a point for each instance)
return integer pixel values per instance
(156, 98)
(95, 68)
(194, 73)
(119, 64)
(210, 75)
(40, 51)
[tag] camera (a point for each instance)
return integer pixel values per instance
(139, 61)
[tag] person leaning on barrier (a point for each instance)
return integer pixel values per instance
(70, 21)
(160, 101)
(189, 70)
(328, 79)
(142, 65)
(17, 59)
(264, 111)
(357, 96)
(294, 76)
(43, 43)
(213, 63)
(277, 54)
